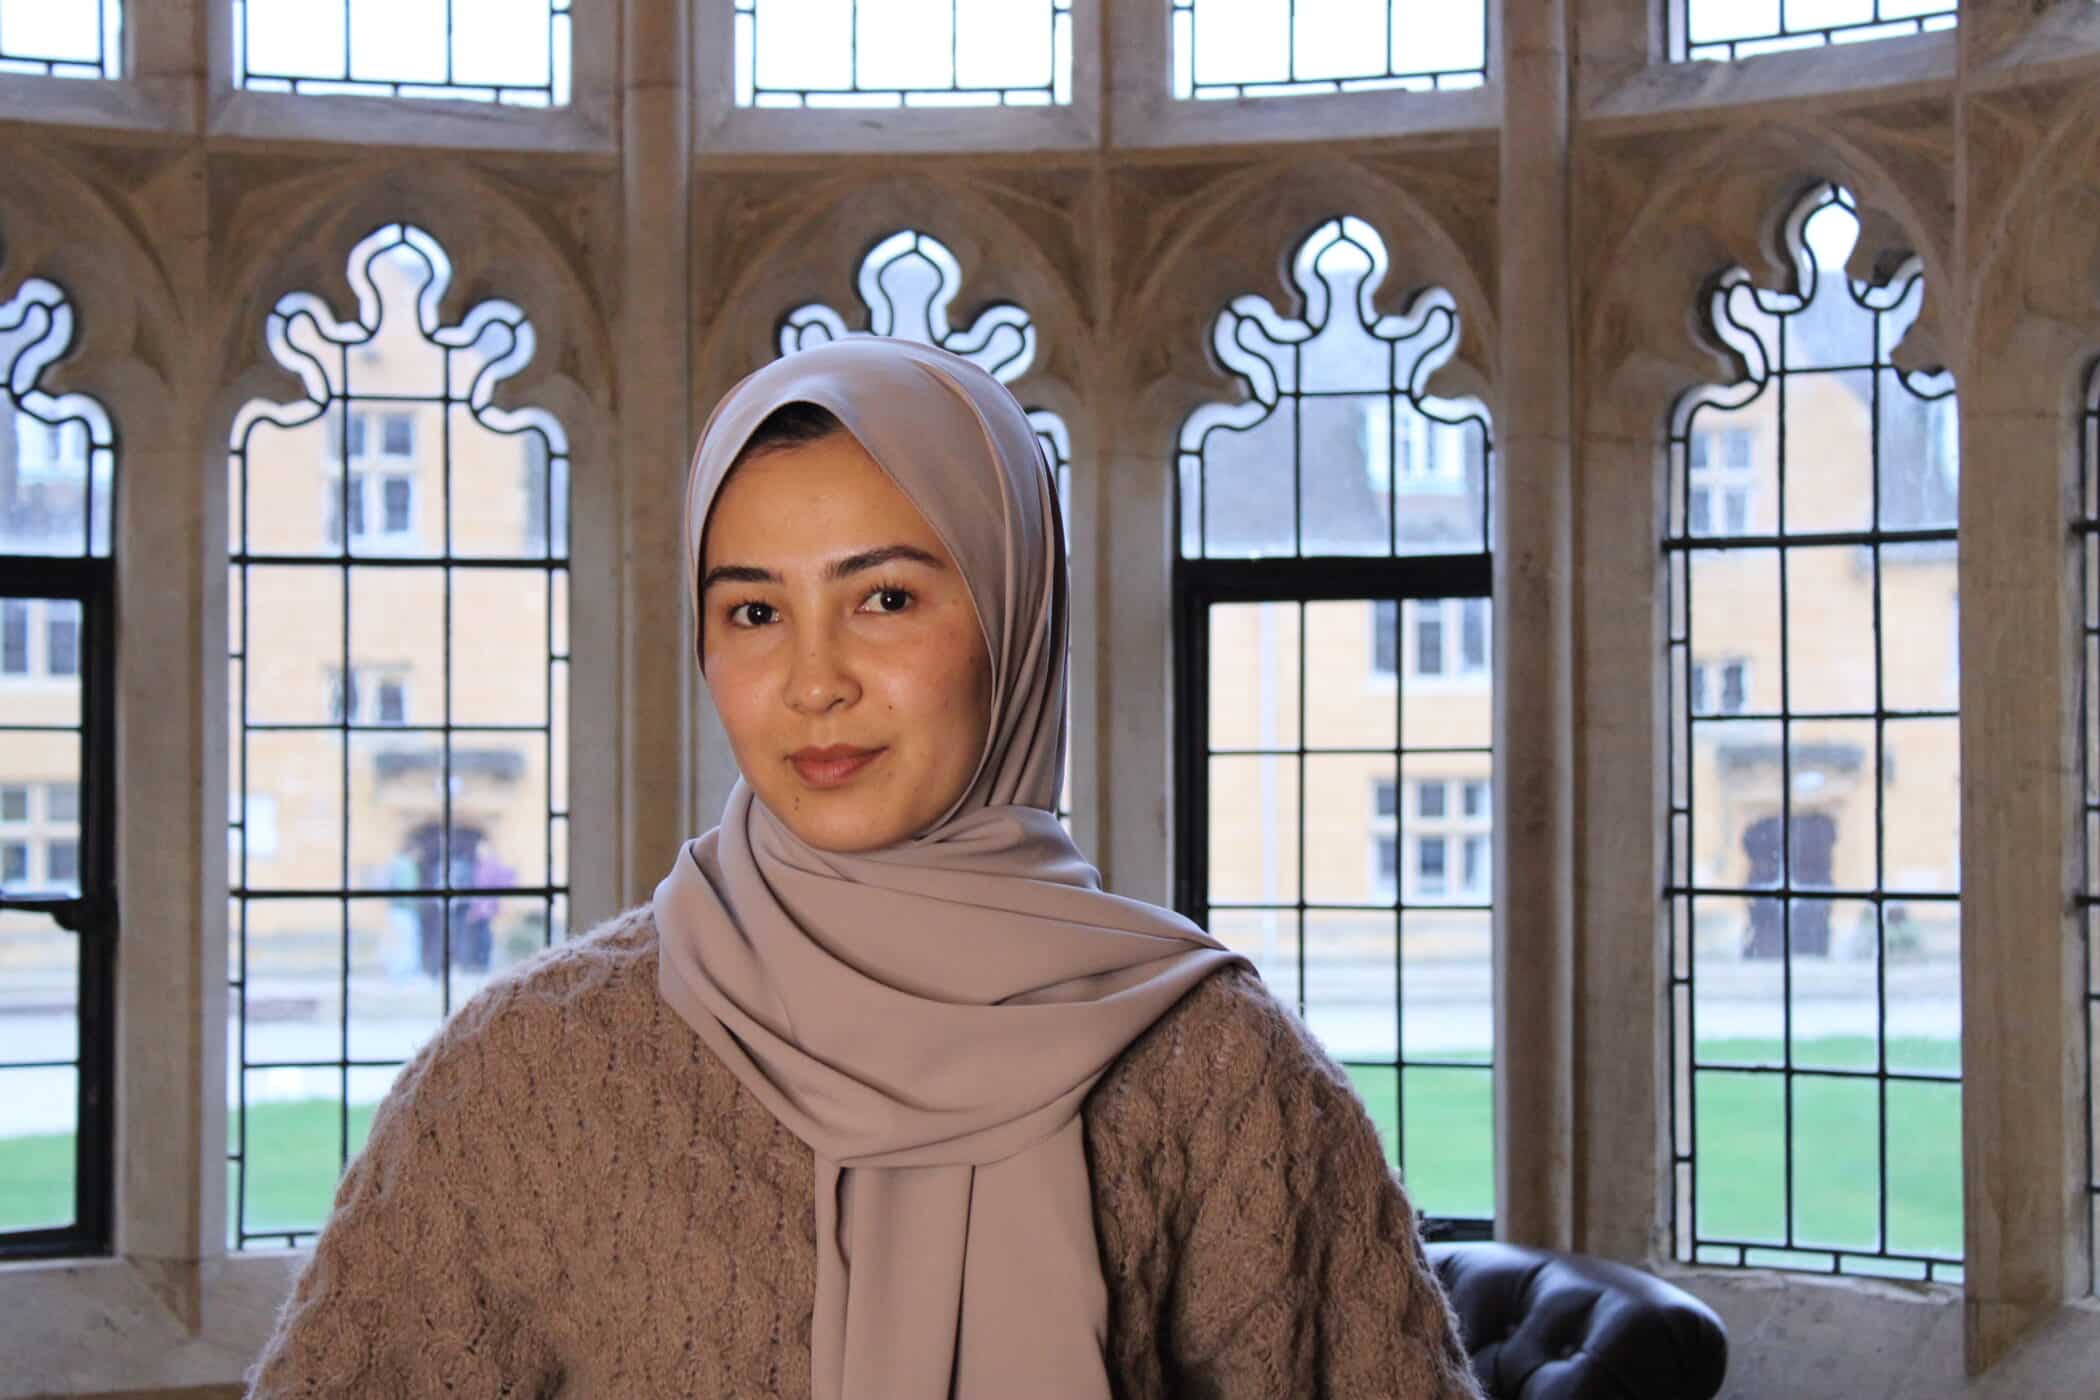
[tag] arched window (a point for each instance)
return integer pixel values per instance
(399, 639)
(463, 50)
(1279, 48)
(57, 812)
(903, 53)
(907, 283)
(63, 38)
(1731, 29)
(1335, 693)
(1814, 871)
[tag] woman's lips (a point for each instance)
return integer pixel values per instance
(833, 766)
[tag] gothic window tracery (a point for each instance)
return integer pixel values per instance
(1814, 876)
(57, 883)
(398, 674)
(1336, 690)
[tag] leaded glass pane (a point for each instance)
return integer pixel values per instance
(1731, 29)
(1814, 873)
(62, 38)
(57, 458)
(398, 657)
(903, 53)
(1284, 48)
(1338, 743)
(1338, 448)
(514, 52)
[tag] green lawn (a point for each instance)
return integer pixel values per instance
(1446, 1150)
(1446, 1153)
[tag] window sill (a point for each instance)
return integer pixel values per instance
(124, 104)
(1147, 118)
(85, 1326)
(583, 128)
(1690, 93)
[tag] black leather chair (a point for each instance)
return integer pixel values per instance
(1547, 1326)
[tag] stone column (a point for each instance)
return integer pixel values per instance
(2019, 369)
(1534, 733)
(654, 740)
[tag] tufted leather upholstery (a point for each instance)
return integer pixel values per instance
(1547, 1326)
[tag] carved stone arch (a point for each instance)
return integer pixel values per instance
(773, 241)
(295, 233)
(1698, 212)
(1234, 232)
(2034, 306)
(131, 342)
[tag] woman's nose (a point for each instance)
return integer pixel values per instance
(819, 681)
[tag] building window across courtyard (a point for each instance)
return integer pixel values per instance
(399, 682)
(1334, 757)
(1814, 877)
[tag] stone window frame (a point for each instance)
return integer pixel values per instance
(166, 86)
(1581, 1172)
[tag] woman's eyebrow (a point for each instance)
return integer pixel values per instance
(875, 558)
(737, 573)
(843, 567)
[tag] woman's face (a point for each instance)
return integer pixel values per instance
(841, 647)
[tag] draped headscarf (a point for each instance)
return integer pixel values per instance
(929, 1016)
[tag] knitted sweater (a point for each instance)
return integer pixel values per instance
(565, 1193)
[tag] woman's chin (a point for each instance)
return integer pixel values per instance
(822, 821)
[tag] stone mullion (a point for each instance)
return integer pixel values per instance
(2025, 1213)
(653, 738)
(1535, 1062)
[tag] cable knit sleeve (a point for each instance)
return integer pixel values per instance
(399, 1298)
(1300, 1268)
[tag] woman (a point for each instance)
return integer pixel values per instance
(882, 1096)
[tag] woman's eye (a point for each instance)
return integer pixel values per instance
(751, 614)
(888, 600)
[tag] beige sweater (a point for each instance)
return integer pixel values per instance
(565, 1193)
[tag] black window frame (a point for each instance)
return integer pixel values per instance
(1201, 583)
(90, 915)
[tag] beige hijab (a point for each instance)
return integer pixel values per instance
(929, 1017)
